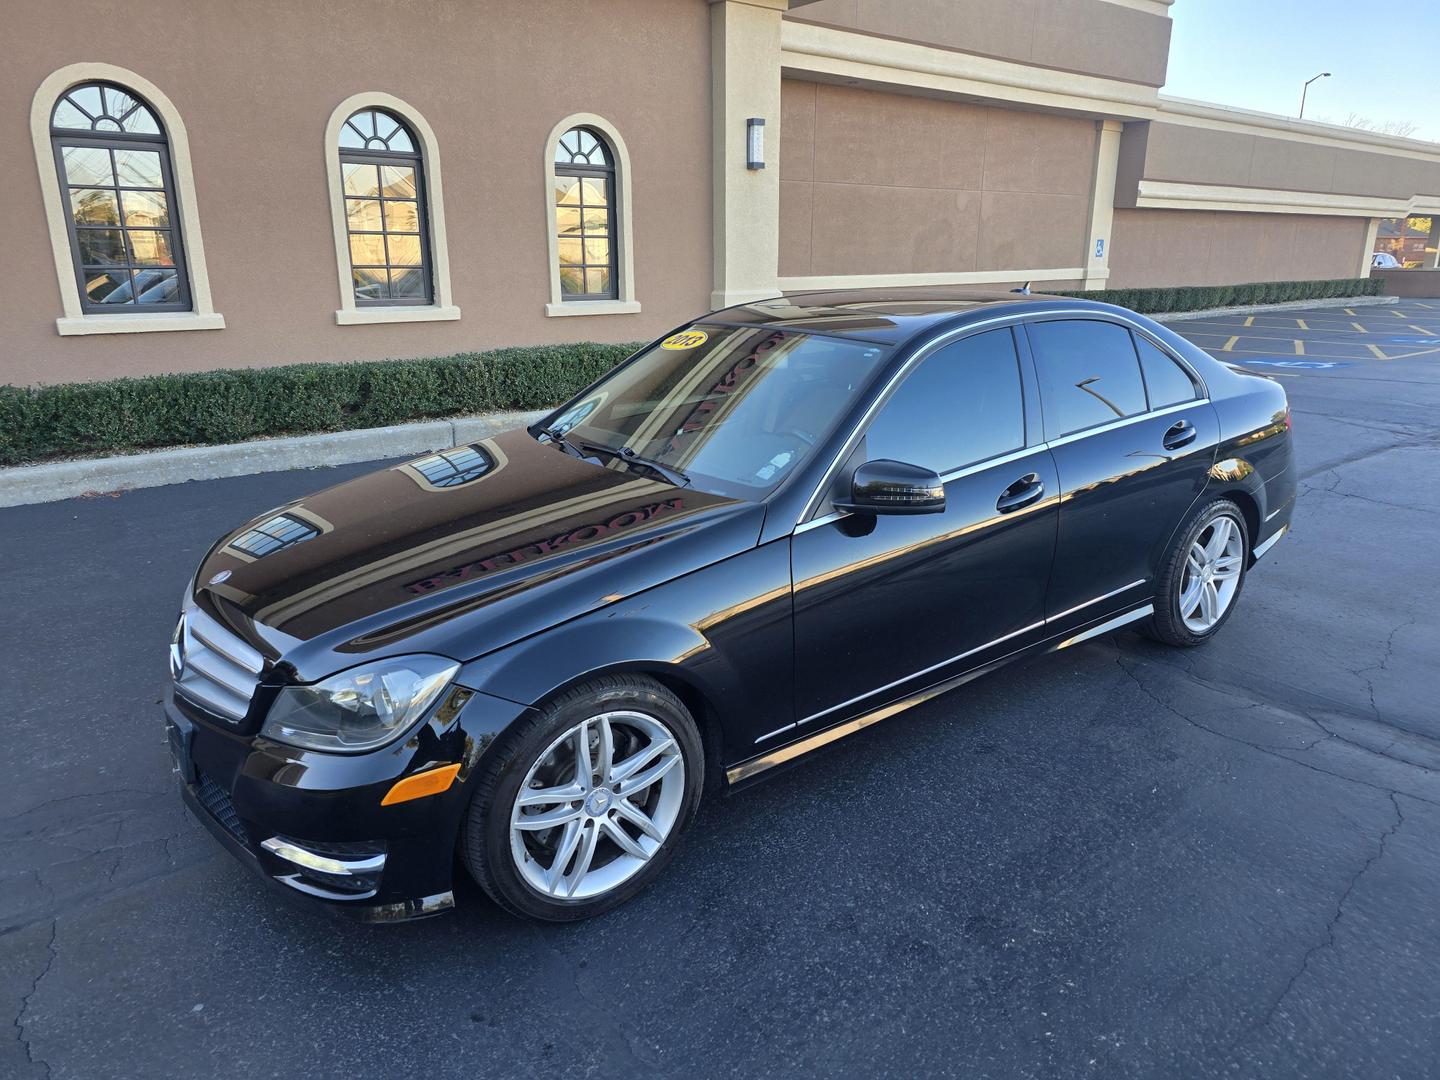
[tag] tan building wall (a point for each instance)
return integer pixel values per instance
(255, 84)
(1156, 248)
(1089, 37)
(874, 183)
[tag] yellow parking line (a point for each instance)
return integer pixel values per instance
(1250, 320)
(1427, 307)
(1399, 315)
(1349, 311)
(1378, 354)
(1359, 327)
(1301, 323)
(1299, 347)
(1230, 344)
(1422, 330)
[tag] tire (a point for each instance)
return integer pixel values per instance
(615, 836)
(1184, 629)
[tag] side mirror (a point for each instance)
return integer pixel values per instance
(893, 487)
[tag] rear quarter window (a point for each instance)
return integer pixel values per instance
(1166, 382)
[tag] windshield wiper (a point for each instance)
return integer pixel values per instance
(625, 454)
(559, 439)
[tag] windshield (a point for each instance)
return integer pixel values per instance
(734, 410)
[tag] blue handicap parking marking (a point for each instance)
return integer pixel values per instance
(1303, 365)
(1410, 340)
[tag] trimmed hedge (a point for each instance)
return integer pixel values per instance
(1199, 297)
(232, 405)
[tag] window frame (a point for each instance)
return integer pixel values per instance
(60, 138)
(622, 240)
(415, 159)
(74, 318)
(1197, 388)
(605, 173)
(441, 307)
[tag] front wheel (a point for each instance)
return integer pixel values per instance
(579, 808)
(1201, 577)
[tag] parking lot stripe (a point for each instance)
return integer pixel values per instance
(1230, 344)
(1378, 354)
(1349, 311)
(1250, 320)
(1359, 327)
(1299, 347)
(1422, 330)
(1301, 323)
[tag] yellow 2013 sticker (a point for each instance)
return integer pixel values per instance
(685, 339)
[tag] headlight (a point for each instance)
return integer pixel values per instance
(359, 709)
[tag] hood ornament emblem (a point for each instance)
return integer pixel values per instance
(220, 578)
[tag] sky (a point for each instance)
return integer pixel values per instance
(1257, 53)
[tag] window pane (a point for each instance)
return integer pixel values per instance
(370, 284)
(597, 251)
(157, 287)
(1089, 374)
(138, 168)
(596, 221)
(363, 215)
(350, 137)
(571, 253)
(402, 217)
(68, 116)
(407, 283)
(88, 98)
(88, 166)
(597, 281)
(150, 247)
(572, 280)
(107, 286)
(595, 192)
(404, 250)
(963, 404)
(146, 209)
(397, 181)
(1166, 382)
(142, 122)
(361, 179)
(567, 190)
(400, 141)
(567, 220)
(100, 246)
(367, 249)
(94, 206)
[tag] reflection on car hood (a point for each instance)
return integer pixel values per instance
(459, 552)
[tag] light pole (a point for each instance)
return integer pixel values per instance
(1306, 87)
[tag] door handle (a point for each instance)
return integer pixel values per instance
(1181, 433)
(1028, 489)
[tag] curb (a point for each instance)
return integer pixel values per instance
(1288, 305)
(22, 485)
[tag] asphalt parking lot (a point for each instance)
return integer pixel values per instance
(1115, 861)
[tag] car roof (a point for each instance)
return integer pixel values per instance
(888, 316)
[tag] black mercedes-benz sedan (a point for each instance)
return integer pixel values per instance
(779, 524)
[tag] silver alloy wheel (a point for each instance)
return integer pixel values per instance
(1212, 574)
(597, 805)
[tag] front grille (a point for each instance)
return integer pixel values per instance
(216, 800)
(218, 671)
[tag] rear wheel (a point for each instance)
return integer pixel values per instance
(581, 807)
(1201, 577)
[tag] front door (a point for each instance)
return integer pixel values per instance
(887, 605)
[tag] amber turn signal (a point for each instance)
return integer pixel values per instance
(430, 782)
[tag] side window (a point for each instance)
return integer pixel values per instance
(584, 222)
(1166, 382)
(1088, 374)
(963, 404)
(385, 212)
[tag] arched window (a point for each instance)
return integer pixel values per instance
(117, 188)
(587, 207)
(383, 179)
(585, 216)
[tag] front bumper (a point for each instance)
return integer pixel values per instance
(312, 826)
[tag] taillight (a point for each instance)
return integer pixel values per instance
(1287, 416)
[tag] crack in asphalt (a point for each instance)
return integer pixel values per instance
(20, 1035)
(1328, 941)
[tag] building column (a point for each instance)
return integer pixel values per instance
(1372, 230)
(1096, 259)
(745, 83)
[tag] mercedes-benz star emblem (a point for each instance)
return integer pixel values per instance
(222, 576)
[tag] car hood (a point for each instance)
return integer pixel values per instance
(459, 553)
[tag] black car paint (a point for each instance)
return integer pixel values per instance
(551, 569)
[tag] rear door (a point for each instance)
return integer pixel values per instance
(1133, 439)
(885, 605)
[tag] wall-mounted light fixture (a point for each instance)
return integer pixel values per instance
(755, 143)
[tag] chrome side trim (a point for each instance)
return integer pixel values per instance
(990, 463)
(777, 731)
(924, 350)
(325, 864)
(1108, 625)
(1277, 510)
(296, 883)
(1124, 421)
(815, 523)
(1087, 603)
(1268, 544)
(916, 674)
